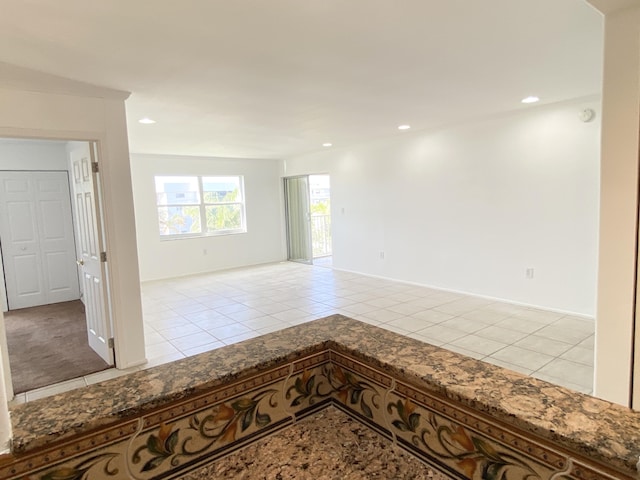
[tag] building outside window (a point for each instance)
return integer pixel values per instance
(192, 206)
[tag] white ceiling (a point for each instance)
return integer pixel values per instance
(276, 78)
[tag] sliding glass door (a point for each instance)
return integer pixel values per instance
(296, 191)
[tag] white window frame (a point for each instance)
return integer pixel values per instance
(202, 206)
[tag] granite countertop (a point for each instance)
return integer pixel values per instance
(598, 429)
(326, 446)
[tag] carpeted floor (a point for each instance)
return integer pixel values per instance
(48, 344)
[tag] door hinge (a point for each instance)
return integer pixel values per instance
(110, 343)
(103, 256)
(94, 167)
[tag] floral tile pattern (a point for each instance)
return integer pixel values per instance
(359, 395)
(170, 446)
(308, 389)
(457, 448)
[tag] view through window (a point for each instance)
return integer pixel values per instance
(199, 205)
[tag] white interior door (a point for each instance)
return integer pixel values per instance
(38, 246)
(92, 260)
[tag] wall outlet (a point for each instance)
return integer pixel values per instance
(529, 273)
(381, 255)
(204, 251)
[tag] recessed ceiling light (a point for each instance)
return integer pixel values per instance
(530, 99)
(146, 121)
(327, 144)
(404, 127)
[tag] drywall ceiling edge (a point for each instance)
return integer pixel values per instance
(610, 6)
(13, 76)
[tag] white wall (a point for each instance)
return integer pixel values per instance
(471, 207)
(262, 243)
(16, 154)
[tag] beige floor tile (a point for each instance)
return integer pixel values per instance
(563, 334)
(172, 333)
(383, 315)
(478, 344)
(240, 338)
(432, 316)
(464, 351)
(563, 383)
(264, 322)
(464, 324)
(520, 324)
(192, 341)
(202, 348)
(410, 324)
(485, 315)
(510, 366)
(566, 370)
(579, 355)
(499, 334)
(162, 359)
(245, 315)
(422, 338)
(541, 316)
(441, 334)
(382, 302)
(359, 308)
(153, 337)
(544, 345)
(394, 328)
(229, 331)
(160, 350)
(406, 308)
(522, 357)
(458, 307)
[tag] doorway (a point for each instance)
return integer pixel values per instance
(50, 240)
(308, 215)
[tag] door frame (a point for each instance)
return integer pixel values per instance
(287, 208)
(96, 142)
(311, 253)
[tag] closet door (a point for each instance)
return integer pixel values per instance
(36, 231)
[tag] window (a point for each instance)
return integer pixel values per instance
(199, 206)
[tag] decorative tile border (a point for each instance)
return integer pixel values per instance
(168, 440)
(465, 444)
(169, 447)
(198, 427)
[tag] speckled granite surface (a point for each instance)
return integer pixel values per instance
(598, 429)
(329, 445)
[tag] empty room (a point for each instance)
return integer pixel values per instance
(459, 177)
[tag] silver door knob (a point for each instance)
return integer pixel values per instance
(80, 262)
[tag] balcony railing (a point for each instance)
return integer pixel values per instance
(321, 235)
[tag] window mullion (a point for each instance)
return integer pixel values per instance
(203, 210)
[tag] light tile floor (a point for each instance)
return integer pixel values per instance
(189, 315)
